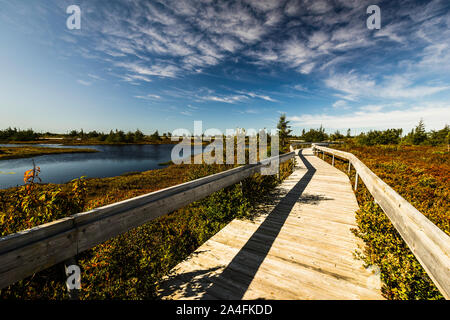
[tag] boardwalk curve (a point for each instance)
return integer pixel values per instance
(300, 247)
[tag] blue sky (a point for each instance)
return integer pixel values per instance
(163, 64)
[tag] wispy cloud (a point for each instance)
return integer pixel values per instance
(341, 104)
(225, 99)
(257, 95)
(149, 97)
(352, 86)
(94, 76)
(84, 83)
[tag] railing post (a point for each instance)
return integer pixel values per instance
(349, 166)
(73, 282)
(356, 181)
(333, 161)
(323, 155)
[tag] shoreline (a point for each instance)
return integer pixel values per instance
(9, 153)
(97, 143)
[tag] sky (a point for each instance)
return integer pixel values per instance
(164, 64)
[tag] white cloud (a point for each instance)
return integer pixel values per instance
(154, 70)
(186, 113)
(84, 83)
(149, 97)
(299, 87)
(392, 32)
(257, 95)
(353, 86)
(95, 77)
(307, 68)
(435, 115)
(134, 77)
(371, 108)
(317, 39)
(225, 99)
(295, 53)
(341, 104)
(292, 8)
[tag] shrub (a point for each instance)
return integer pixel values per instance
(420, 175)
(390, 136)
(131, 265)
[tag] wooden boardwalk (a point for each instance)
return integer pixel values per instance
(300, 247)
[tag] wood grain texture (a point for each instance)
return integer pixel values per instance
(429, 244)
(299, 247)
(27, 252)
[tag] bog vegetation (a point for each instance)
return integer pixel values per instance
(421, 175)
(417, 166)
(31, 151)
(417, 136)
(128, 266)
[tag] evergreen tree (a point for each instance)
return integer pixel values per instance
(420, 135)
(138, 136)
(284, 132)
(155, 136)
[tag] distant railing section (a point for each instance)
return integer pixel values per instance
(429, 244)
(27, 252)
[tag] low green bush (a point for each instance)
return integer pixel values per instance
(130, 265)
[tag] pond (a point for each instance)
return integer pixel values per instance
(110, 161)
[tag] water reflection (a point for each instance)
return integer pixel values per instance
(108, 162)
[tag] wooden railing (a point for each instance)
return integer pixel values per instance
(27, 252)
(429, 244)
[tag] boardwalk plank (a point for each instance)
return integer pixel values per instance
(300, 247)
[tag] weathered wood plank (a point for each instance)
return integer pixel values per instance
(429, 244)
(30, 251)
(294, 250)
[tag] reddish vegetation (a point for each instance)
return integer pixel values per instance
(420, 174)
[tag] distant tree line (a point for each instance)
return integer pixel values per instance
(114, 136)
(18, 135)
(417, 136)
(118, 136)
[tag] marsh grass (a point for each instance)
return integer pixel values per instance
(31, 151)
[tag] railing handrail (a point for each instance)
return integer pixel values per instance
(429, 244)
(27, 252)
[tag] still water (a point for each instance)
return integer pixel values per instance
(108, 162)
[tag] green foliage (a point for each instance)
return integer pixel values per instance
(32, 205)
(418, 136)
(31, 151)
(119, 136)
(155, 136)
(284, 132)
(315, 135)
(389, 136)
(420, 175)
(337, 136)
(442, 136)
(402, 275)
(131, 265)
(10, 134)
